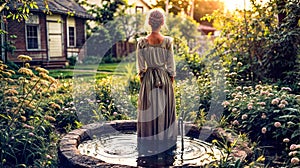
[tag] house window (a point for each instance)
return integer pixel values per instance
(32, 32)
(32, 37)
(71, 36)
(139, 9)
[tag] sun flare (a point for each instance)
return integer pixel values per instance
(231, 5)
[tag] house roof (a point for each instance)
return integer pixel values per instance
(145, 3)
(206, 28)
(63, 7)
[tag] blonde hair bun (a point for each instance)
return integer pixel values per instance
(155, 18)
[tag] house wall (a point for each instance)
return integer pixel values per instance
(138, 6)
(43, 54)
(80, 32)
(79, 35)
(17, 29)
(2, 37)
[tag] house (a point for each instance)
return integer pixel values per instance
(205, 30)
(138, 6)
(125, 47)
(48, 38)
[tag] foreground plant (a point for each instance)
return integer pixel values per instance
(27, 135)
(267, 113)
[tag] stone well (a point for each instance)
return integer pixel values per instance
(70, 156)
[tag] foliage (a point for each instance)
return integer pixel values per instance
(182, 27)
(27, 125)
(130, 24)
(107, 11)
(19, 10)
(229, 159)
(9, 45)
(265, 112)
(72, 60)
(267, 49)
(66, 116)
(126, 96)
(201, 7)
(187, 100)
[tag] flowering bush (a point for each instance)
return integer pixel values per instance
(265, 112)
(66, 116)
(27, 135)
(125, 96)
(188, 100)
(294, 154)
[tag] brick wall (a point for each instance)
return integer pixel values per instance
(18, 29)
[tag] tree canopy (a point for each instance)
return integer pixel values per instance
(200, 9)
(19, 10)
(106, 11)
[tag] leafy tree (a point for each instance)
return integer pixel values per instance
(201, 7)
(182, 27)
(19, 10)
(130, 24)
(267, 48)
(106, 11)
(206, 7)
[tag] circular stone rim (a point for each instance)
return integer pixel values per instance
(70, 156)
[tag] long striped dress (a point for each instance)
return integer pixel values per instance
(156, 127)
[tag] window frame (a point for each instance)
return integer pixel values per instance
(68, 36)
(139, 9)
(38, 35)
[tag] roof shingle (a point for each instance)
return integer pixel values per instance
(63, 7)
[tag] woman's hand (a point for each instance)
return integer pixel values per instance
(172, 79)
(141, 79)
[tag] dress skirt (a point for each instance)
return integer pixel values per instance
(156, 127)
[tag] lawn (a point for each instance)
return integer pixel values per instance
(98, 71)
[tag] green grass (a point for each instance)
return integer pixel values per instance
(103, 70)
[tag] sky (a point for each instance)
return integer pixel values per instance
(234, 4)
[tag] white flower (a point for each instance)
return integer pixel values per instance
(225, 103)
(275, 101)
(263, 130)
(286, 89)
(295, 160)
(234, 110)
(277, 124)
(286, 140)
(235, 122)
(293, 147)
(281, 106)
(263, 116)
(293, 153)
(284, 102)
(244, 116)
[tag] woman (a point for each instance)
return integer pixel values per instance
(156, 128)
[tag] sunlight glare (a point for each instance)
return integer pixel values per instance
(231, 5)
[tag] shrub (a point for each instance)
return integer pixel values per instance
(267, 47)
(72, 60)
(27, 135)
(265, 112)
